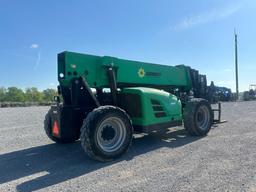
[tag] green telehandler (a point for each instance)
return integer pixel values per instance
(104, 100)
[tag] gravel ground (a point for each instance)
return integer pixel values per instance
(171, 161)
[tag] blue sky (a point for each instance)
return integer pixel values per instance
(196, 33)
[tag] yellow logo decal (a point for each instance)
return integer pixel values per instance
(141, 72)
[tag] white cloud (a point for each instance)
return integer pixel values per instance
(207, 16)
(34, 46)
(38, 60)
(52, 84)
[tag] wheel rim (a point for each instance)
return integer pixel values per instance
(203, 117)
(111, 134)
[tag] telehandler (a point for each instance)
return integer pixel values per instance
(104, 100)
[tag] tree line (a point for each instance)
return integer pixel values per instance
(32, 94)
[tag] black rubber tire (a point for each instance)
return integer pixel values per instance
(48, 130)
(190, 117)
(89, 131)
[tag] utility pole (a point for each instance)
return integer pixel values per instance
(236, 65)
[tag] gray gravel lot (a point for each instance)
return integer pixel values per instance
(225, 160)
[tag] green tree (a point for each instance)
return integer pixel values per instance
(2, 94)
(33, 95)
(48, 94)
(14, 94)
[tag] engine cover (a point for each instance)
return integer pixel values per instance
(151, 109)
